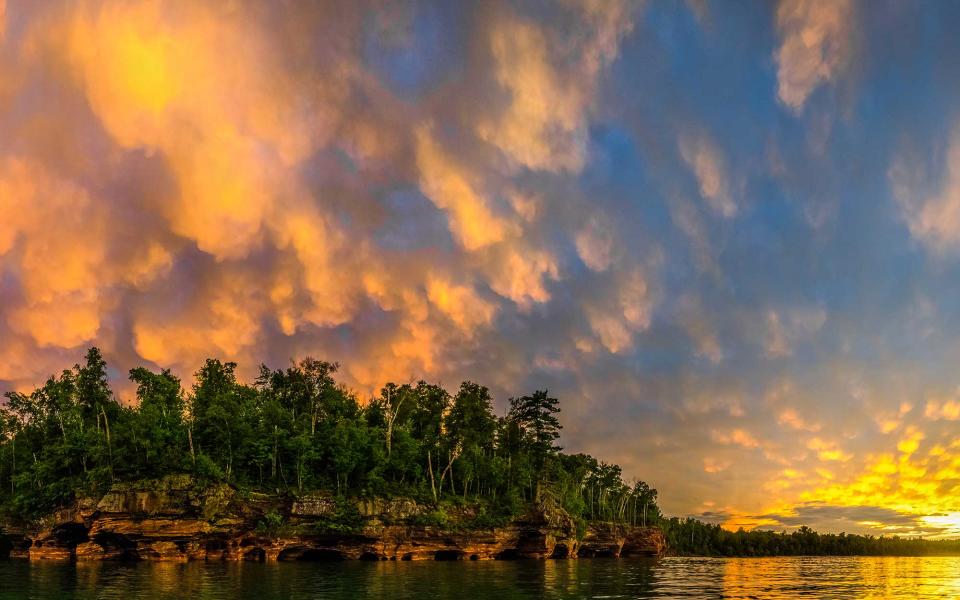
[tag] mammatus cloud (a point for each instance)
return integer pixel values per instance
(549, 81)
(708, 165)
(790, 418)
(737, 437)
(699, 327)
(947, 408)
(930, 200)
(691, 222)
(224, 186)
(815, 47)
(595, 244)
(615, 318)
(786, 329)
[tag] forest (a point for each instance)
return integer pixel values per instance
(692, 537)
(297, 429)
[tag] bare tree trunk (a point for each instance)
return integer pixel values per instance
(452, 456)
(273, 462)
(106, 425)
(226, 425)
(193, 457)
(433, 487)
(389, 424)
(283, 475)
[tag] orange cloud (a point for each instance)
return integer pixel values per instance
(699, 327)
(816, 46)
(460, 303)
(713, 465)
(948, 409)
(616, 319)
(542, 124)
(472, 221)
(594, 244)
(41, 217)
(199, 179)
(828, 451)
(736, 437)
(933, 215)
(708, 165)
(792, 419)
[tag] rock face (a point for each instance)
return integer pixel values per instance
(172, 520)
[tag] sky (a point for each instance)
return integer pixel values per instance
(725, 234)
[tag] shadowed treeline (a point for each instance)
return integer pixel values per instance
(695, 538)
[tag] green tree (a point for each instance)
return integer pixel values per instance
(160, 434)
(535, 416)
(221, 411)
(470, 425)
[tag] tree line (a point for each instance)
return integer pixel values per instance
(297, 429)
(692, 537)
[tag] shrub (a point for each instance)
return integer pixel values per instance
(272, 524)
(346, 518)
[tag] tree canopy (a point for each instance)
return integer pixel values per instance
(297, 429)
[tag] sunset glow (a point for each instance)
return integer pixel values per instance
(730, 243)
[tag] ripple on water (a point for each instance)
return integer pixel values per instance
(775, 578)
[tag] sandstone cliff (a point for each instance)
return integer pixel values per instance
(172, 520)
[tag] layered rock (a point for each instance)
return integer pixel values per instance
(172, 520)
(615, 540)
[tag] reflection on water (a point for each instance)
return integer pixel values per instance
(811, 577)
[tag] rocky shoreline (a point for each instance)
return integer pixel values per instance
(172, 520)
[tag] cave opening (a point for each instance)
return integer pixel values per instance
(114, 542)
(69, 535)
(255, 555)
(447, 555)
(311, 555)
(111, 540)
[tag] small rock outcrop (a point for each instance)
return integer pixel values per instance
(173, 520)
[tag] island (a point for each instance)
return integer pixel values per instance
(296, 467)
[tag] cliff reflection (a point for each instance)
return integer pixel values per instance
(774, 578)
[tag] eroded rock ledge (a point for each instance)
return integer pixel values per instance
(171, 520)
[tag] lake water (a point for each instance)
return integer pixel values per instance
(805, 577)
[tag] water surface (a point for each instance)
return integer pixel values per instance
(804, 577)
